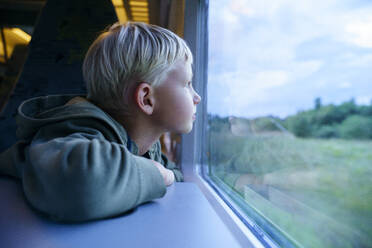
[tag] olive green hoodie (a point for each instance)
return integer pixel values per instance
(77, 163)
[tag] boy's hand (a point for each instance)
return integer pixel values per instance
(168, 175)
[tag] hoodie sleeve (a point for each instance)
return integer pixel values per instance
(82, 177)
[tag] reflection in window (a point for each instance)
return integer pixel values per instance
(290, 116)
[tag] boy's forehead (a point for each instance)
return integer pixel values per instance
(183, 67)
(180, 71)
(188, 68)
(190, 72)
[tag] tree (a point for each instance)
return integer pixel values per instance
(356, 127)
(318, 103)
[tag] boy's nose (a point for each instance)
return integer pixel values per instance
(197, 98)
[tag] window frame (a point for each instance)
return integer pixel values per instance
(193, 154)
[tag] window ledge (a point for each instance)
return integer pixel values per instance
(182, 218)
(231, 220)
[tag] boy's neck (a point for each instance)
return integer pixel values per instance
(140, 133)
(144, 143)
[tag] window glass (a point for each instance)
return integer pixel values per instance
(290, 116)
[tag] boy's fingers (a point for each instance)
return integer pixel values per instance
(168, 175)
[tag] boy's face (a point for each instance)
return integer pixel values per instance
(176, 100)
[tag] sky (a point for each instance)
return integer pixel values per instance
(276, 57)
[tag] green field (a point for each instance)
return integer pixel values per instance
(317, 191)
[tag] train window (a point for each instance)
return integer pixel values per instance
(289, 132)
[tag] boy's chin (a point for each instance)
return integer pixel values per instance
(186, 130)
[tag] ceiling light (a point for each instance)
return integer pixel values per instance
(138, 3)
(20, 33)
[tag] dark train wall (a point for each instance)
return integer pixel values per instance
(63, 32)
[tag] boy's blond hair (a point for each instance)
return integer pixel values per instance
(125, 55)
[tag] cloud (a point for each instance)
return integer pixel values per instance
(242, 7)
(230, 18)
(258, 59)
(270, 79)
(345, 85)
(241, 90)
(360, 31)
(358, 60)
(363, 100)
(305, 68)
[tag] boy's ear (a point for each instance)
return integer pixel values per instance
(144, 98)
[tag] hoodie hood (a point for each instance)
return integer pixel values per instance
(40, 111)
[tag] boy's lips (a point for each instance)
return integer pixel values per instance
(194, 117)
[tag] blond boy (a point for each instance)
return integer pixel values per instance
(97, 156)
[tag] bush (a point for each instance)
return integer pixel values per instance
(218, 124)
(300, 126)
(366, 110)
(356, 127)
(265, 124)
(327, 132)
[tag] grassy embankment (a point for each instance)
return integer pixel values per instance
(318, 191)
